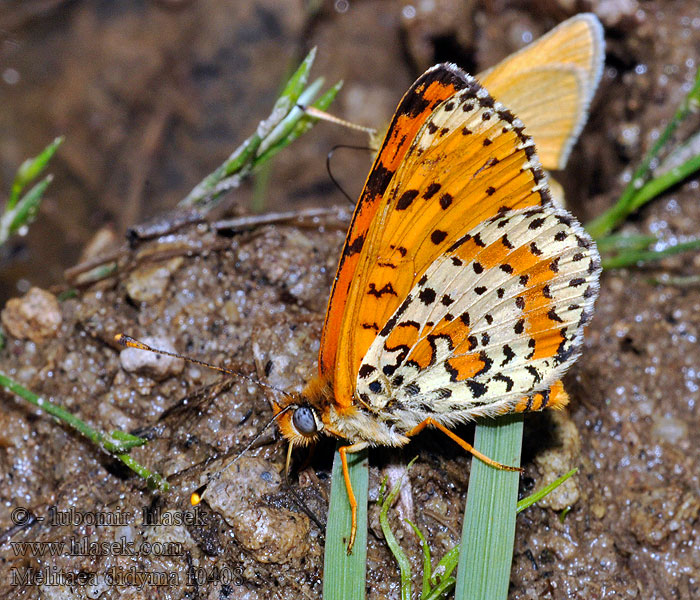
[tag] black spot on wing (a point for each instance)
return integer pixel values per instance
(406, 199)
(553, 316)
(477, 389)
(505, 379)
(378, 181)
(378, 293)
(427, 296)
(366, 371)
(508, 353)
(412, 389)
(438, 236)
(375, 387)
(431, 190)
(535, 374)
(355, 246)
(391, 323)
(554, 265)
(488, 363)
(445, 201)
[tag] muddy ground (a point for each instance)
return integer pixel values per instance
(146, 117)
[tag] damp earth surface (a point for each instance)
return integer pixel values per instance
(253, 300)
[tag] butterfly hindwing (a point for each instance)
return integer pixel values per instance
(497, 318)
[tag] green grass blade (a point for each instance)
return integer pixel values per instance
(660, 184)
(629, 201)
(628, 259)
(427, 563)
(26, 209)
(446, 566)
(539, 494)
(618, 242)
(118, 443)
(488, 531)
(297, 82)
(29, 170)
(343, 574)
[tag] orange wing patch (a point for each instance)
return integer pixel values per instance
(415, 107)
(550, 83)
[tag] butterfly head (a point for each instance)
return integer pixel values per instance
(300, 424)
(303, 417)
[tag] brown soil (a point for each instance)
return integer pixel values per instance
(146, 116)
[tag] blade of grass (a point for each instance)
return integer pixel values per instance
(488, 531)
(628, 259)
(629, 200)
(118, 443)
(617, 242)
(427, 563)
(27, 208)
(29, 170)
(284, 124)
(661, 183)
(539, 494)
(446, 566)
(400, 556)
(20, 211)
(343, 573)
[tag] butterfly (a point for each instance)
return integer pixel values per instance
(462, 289)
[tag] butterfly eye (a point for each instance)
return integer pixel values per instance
(304, 421)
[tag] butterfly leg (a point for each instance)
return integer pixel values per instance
(343, 450)
(467, 446)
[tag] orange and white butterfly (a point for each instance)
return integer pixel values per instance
(462, 290)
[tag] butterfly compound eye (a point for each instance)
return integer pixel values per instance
(304, 421)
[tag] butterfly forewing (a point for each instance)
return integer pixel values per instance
(469, 161)
(415, 108)
(550, 83)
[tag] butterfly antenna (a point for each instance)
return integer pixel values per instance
(197, 495)
(323, 115)
(329, 156)
(130, 342)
